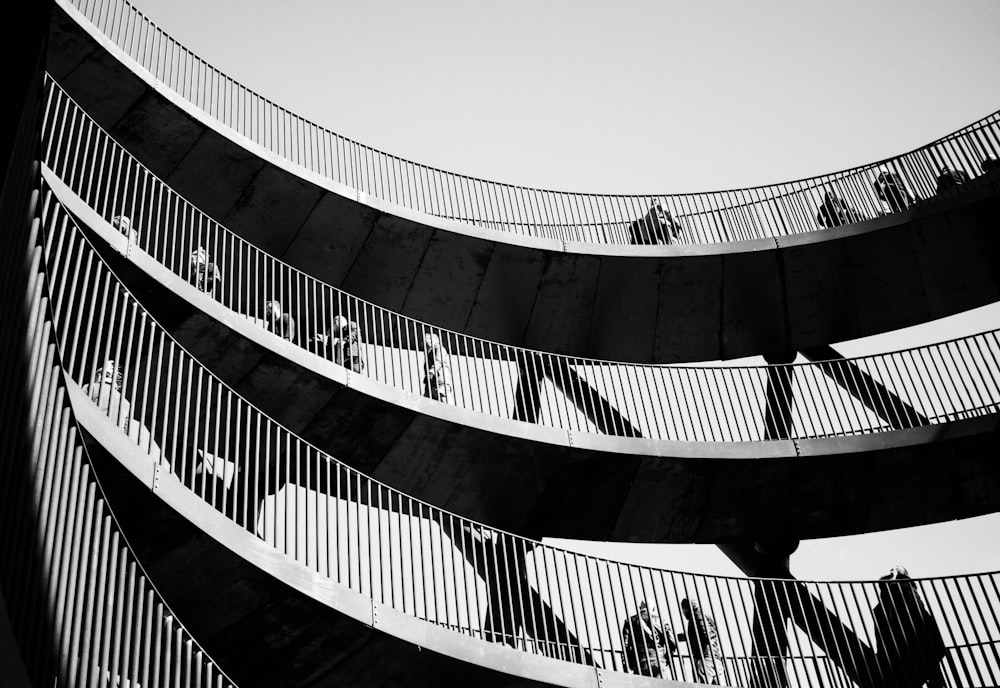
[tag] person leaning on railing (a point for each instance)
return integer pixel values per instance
(344, 342)
(834, 211)
(657, 226)
(950, 179)
(437, 369)
(277, 322)
(123, 223)
(204, 273)
(648, 644)
(105, 390)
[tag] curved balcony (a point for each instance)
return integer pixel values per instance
(386, 229)
(523, 477)
(718, 217)
(85, 589)
(453, 585)
(580, 397)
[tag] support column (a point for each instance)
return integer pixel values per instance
(866, 389)
(527, 400)
(595, 407)
(778, 396)
(769, 630)
(776, 602)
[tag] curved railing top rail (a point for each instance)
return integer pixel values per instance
(701, 218)
(900, 390)
(170, 416)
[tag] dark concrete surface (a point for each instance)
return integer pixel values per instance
(685, 303)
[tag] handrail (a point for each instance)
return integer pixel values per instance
(478, 581)
(722, 216)
(900, 390)
(82, 607)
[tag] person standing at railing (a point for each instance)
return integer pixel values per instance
(204, 273)
(648, 644)
(105, 390)
(703, 642)
(277, 322)
(909, 644)
(834, 211)
(658, 226)
(123, 223)
(989, 164)
(344, 340)
(891, 190)
(950, 179)
(437, 369)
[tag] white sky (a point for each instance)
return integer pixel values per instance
(637, 97)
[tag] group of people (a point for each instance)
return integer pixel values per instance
(659, 226)
(890, 189)
(908, 646)
(342, 344)
(649, 644)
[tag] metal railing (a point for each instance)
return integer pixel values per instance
(81, 608)
(735, 215)
(473, 579)
(899, 390)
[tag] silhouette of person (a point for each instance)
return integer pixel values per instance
(703, 642)
(648, 644)
(204, 273)
(891, 190)
(950, 179)
(989, 164)
(437, 369)
(657, 226)
(909, 644)
(834, 211)
(278, 322)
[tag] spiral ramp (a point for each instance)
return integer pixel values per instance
(568, 447)
(333, 562)
(404, 567)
